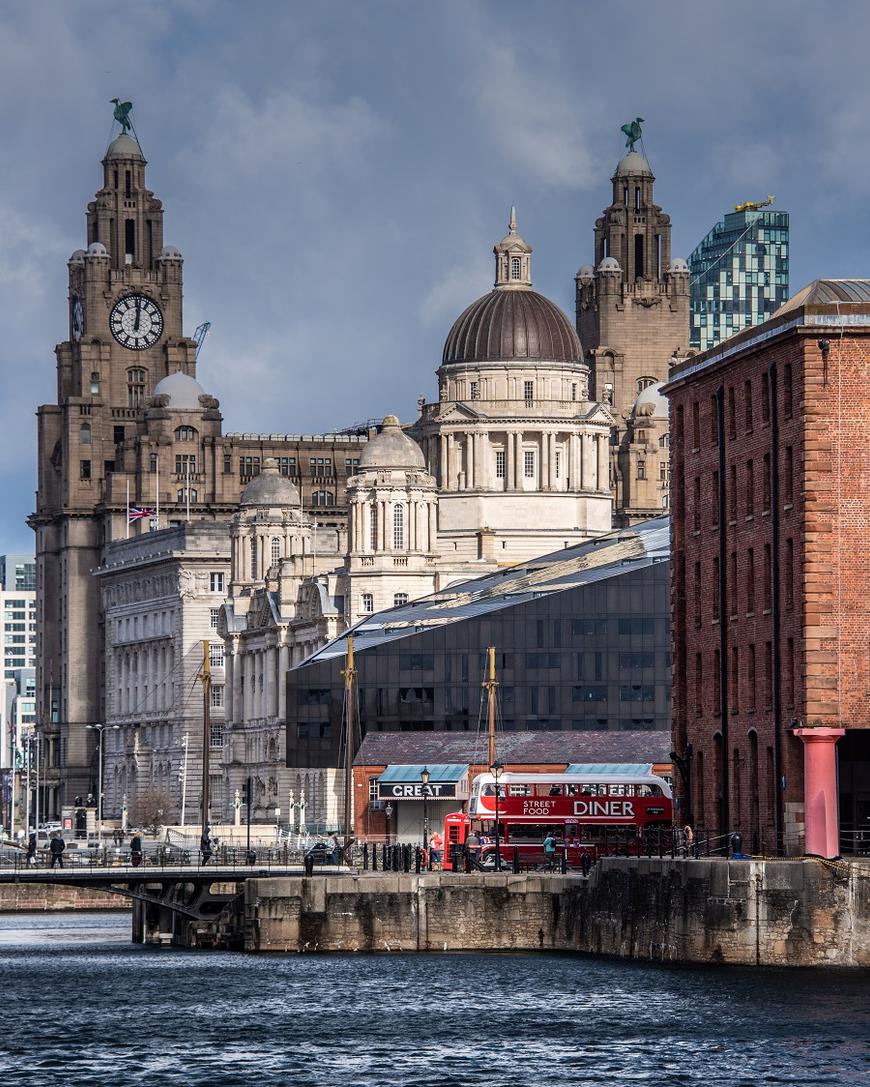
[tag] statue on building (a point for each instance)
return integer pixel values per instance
(121, 113)
(632, 132)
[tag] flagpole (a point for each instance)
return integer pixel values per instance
(127, 523)
(157, 489)
(187, 490)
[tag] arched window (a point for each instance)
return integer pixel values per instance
(398, 528)
(85, 433)
(399, 599)
(182, 493)
(186, 434)
(323, 498)
(515, 267)
(367, 602)
(136, 378)
(253, 558)
(644, 383)
(664, 441)
(276, 550)
(374, 526)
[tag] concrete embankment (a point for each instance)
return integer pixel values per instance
(795, 912)
(40, 897)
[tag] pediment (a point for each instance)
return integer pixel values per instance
(459, 412)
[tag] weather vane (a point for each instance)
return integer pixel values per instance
(122, 114)
(632, 132)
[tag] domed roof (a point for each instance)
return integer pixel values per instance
(586, 272)
(78, 257)
(183, 391)
(609, 264)
(392, 448)
(512, 324)
(651, 402)
(124, 147)
(679, 264)
(270, 488)
(169, 252)
(97, 249)
(632, 164)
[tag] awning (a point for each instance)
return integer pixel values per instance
(611, 769)
(447, 781)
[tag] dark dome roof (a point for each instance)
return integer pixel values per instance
(512, 324)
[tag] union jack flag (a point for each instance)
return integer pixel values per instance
(137, 513)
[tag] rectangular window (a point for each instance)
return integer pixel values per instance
(717, 684)
(321, 467)
(787, 391)
(664, 471)
(643, 628)
(217, 695)
(400, 599)
(768, 675)
(529, 464)
(767, 578)
(216, 582)
(734, 683)
(214, 615)
(351, 467)
(750, 581)
(637, 693)
(788, 476)
(696, 510)
(789, 672)
(641, 469)
(750, 489)
(589, 694)
(765, 398)
(185, 464)
(732, 586)
(367, 603)
(747, 405)
(287, 466)
(248, 468)
(765, 484)
(789, 573)
(558, 456)
(696, 425)
(499, 464)
(714, 421)
(475, 390)
(84, 469)
(732, 493)
(216, 654)
(732, 413)
(715, 586)
(714, 512)
(216, 728)
(228, 464)
(750, 676)
(118, 435)
(529, 392)
(696, 593)
(574, 390)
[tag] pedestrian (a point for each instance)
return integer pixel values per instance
(436, 844)
(472, 848)
(31, 848)
(689, 836)
(135, 850)
(550, 849)
(57, 846)
(334, 850)
(205, 847)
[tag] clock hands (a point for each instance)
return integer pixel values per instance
(138, 314)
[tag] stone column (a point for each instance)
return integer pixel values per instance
(510, 453)
(229, 687)
(603, 463)
(554, 479)
(442, 475)
(822, 817)
(382, 519)
(452, 469)
(518, 461)
(470, 477)
(283, 668)
(574, 461)
(544, 473)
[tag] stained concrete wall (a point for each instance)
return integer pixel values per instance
(798, 913)
(25, 897)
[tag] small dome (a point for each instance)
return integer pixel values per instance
(586, 272)
(97, 249)
(392, 448)
(124, 147)
(650, 402)
(632, 165)
(169, 252)
(512, 324)
(609, 264)
(183, 391)
(270, 488)
(679, 264)
(78, 257)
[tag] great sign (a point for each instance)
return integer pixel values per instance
(406, 790)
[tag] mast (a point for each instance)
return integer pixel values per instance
(489, 685)
(349, 674)
(205, 677)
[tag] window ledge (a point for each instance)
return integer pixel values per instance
(765, 513)
(749, 517)
(750, 615)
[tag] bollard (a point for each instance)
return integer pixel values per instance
(516, 861)
(585, 864)
(309, 865)
(407, 857)
(563, 867)
(418, 860)
(374, 858)
(365, 852)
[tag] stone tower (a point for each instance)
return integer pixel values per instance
(633, 305)
(125, 322)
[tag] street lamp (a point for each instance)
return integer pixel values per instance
(100, 729)
(388, 812)
(424, 778)
(496, 770)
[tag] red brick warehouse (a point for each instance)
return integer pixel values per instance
(770, 497)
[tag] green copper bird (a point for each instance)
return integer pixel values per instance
(631, 130)
(122, 114)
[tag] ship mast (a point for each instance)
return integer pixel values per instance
(349, 674)
(489, 685)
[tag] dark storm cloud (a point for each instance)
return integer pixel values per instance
(336, 174)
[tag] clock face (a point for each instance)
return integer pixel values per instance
(78, 318)
(136, 322)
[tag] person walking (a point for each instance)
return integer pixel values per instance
(472, 849)
(136, 850)
(550, 850)
(334, 851)
(57, 846)
(436, 844)
(205, 846)
(31, 849)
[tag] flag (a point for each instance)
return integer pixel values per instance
(138, 513)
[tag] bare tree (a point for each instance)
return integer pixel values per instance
(154, 807)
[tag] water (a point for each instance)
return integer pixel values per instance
(83, 1007)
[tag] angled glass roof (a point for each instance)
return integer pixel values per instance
(442, 771)
(618, 552)
(610, 769)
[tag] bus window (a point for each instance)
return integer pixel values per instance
(589, 788)
(532, 832)
(571, 790)
(548, 790)
(621, 790)
(519, 790)
(648, 790)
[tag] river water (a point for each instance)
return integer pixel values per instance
(82, 1006)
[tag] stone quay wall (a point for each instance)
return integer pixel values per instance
(784, 913)
(42, 897)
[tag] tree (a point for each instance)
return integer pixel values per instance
(154, 807)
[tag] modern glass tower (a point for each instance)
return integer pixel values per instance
(739, 274)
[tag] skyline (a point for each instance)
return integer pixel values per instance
(414, 135)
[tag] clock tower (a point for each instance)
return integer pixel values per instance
(125, 322)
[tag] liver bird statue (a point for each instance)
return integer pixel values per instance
(632, 132)
(122, 114)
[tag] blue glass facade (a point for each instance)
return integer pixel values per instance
(739, 275)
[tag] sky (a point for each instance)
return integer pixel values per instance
(336, 173)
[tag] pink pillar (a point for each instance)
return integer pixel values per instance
(820, 790)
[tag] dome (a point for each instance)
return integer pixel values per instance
(651, 402)
(78, 257)
(632, 164)
(512, 324)
(586, 272)
(270, 488)
(678, 264)
(169, 252)
(183, 391)
(97, 249)
(124, 147)
(392, 448)
(609, 264)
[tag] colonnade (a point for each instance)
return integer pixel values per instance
(372, 523)
(255, 682)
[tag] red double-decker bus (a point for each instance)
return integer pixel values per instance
(597, 813)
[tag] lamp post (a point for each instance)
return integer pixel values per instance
(388, 812)
(496, 770)
(424, 778)
(100, 729)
